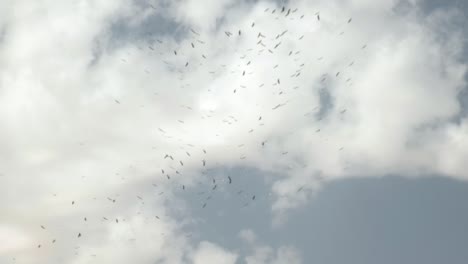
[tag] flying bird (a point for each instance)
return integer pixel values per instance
(194, 32)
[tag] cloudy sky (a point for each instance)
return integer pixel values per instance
(229, 132)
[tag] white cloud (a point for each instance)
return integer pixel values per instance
(13, 239)
(262, 254)
(210, 253)
(64, 138)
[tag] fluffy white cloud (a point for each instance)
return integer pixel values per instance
(262, 254)
(87, 117)
(210, 253)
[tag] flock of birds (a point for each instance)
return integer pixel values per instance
(264, 45)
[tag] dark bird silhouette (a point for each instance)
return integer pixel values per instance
(230, 180)
(194, 32)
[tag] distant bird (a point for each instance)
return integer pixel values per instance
(194, 32)
(349, 21)
(253, 197)
(230, 180)
(79, 234)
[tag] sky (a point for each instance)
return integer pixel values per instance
(229, 132)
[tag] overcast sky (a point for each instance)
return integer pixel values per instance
(232, 132)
